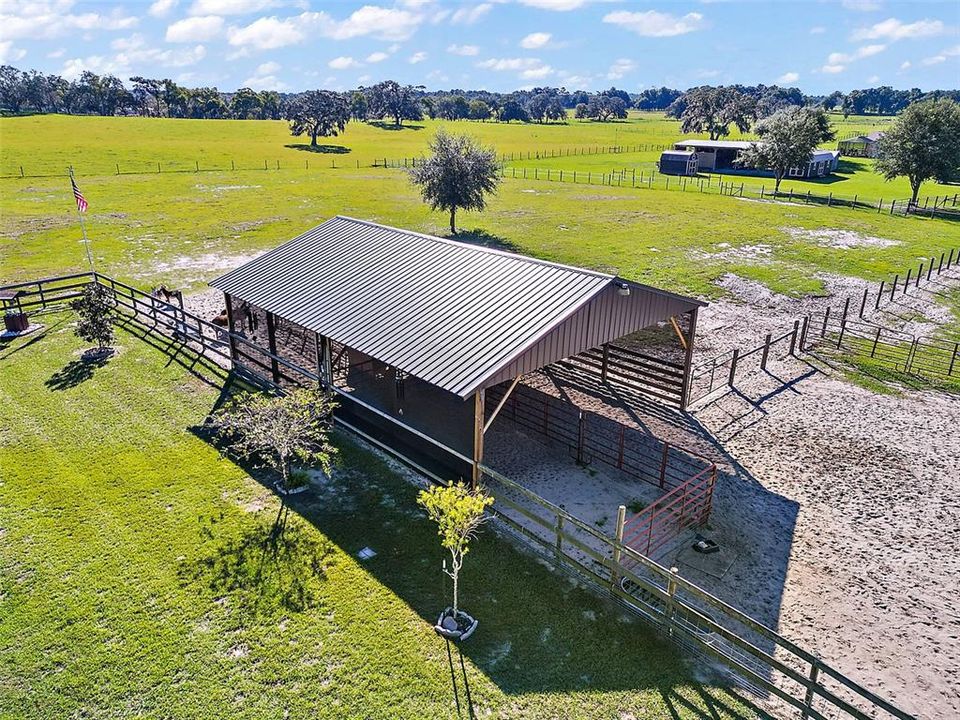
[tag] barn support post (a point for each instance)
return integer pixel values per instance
(479, 398)
(604, 362)
(688, 360)
(272, 341)
(231, 326)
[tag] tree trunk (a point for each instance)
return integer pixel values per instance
(915, 186)
(453, 220)
(397, 119)
(776, 186)
(313, 137)
(285, 472)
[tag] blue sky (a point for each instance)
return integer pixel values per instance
(817, 45)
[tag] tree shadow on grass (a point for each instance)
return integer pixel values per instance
(484, 239)
(390, 125)
(326, 149)
(268, 568)
(79, 371)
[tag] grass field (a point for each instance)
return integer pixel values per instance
(185, 228)
(143, 575)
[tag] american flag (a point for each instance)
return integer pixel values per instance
(78, 196)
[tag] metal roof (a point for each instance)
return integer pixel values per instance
(449, 313)
(715, 144)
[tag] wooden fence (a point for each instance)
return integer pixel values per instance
(848, 328)
(652, 376)
(789, 678)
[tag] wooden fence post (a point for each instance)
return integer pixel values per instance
(581, 435)
(893, 288)
(621, 517)
(793, 337)
(876, 339)
(803, 333)
(671, 609)
(663, 465)
(766, 352)
(906, 283)
(808, 698)
(863, 304)
(953, 358)
(733, 366)
(826, 319)
(843, 322)
(879, 294)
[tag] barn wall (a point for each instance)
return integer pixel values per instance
(606, 318)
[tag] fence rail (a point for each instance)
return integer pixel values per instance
(945, 206)
(755, 656)
(849, 328)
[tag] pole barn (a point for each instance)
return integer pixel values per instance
(416, 328)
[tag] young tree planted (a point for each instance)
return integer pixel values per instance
(275, 430)
(458, 513)
(318, 113)
(93, 308)
(787, 140)
(458, 174)
(923, 143)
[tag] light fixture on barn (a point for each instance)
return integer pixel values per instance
(623, 289)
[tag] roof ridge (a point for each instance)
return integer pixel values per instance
(475, 248)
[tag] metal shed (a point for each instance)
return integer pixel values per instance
(457, 317)
(678, 162)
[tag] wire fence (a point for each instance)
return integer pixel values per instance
(847, 328)
(945, 206)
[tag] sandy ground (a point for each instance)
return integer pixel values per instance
(838, 508)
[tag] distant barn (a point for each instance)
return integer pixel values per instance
(412, 326)
(722, 156)
(861, 145)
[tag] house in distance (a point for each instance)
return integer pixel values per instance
(722, 156)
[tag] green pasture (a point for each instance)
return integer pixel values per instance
(142, 575)
(186, 227)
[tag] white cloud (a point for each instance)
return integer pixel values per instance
(861, 5)
(230, 7)
(417, 58)
(8, 53)
(465, 50)
(265, 78)
(343, 63)
(860, 53)
(162, 8)
(620, 68)
(58, 53)
(267, 33)
(195, 29)
(45, 19)
(655, 24)
(905, 65)
(817, 30)
(873, 79)
(894, 29)
(935, 60)
(788, 78)
(377, 57)
(469, 15)
(833, 69)
(528, 68)
(75, 67)
(535, 40)
(555, 5)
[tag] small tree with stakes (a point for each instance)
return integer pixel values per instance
(277, 429)
(93, 308)
(458, 513)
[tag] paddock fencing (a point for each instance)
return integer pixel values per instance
(786, 679)
(945, 206)
(849, 328)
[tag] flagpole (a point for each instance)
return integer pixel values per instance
(83, 228)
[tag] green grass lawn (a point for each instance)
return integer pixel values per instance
(142, 575)
(187, 228)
